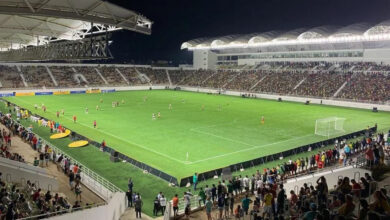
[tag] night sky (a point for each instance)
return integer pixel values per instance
(176, 21)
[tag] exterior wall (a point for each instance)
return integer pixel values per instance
(369, 55)
(204, 59)
(17, 172)
(113, 210)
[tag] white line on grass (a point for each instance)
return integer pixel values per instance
(127, 141)
(248, 149)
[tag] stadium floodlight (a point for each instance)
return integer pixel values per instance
(329, 126)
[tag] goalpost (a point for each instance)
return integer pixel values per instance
(329, 126)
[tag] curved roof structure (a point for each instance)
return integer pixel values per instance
(322, 34)
(32, 22)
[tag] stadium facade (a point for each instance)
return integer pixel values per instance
(353, 43)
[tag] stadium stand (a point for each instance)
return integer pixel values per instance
(130, 74)
(64, 76)
(280, 82)
(36, 76)
(90, 75)
(310, 79)
(112, 76)
(9, 77)
(156, 76)
(367, 87)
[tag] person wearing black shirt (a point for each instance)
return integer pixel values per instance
(280, 200)
(129, 195)
(156, 206)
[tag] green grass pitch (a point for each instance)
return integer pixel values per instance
(227, 131)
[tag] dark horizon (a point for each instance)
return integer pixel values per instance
(178, 21)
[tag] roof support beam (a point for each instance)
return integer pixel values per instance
(29, 6)
(42, 5)
(92, 7)
(71, 15)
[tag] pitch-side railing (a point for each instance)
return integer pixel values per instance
(99, 180)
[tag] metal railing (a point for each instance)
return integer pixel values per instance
(84, 169)
(62, 212)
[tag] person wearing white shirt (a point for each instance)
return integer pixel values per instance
(245, 183)
(163, 204)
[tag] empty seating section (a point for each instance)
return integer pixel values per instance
(36, 76)
(10, 78)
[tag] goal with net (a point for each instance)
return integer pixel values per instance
(329, 126)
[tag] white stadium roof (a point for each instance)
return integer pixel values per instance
(323, 34)
(29, 22)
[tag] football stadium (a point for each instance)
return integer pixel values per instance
(274, 124)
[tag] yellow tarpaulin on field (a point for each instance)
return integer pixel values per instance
(60, 135)
(78, 144)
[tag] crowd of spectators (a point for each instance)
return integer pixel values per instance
(197, 78)
(179, 76)
(365, 81)
(36, 76)
(131, 75)
(246, 80)
(10, 78)
(40, 202)
(322, 84)
(280, 82)
(367, 87)
(263, 196)
(64, 76)
(90, 75)
(156, 76)
(112, 76)
(220, 79)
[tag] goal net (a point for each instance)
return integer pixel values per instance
(329, 126)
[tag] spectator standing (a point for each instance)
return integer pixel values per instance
(163, 204)
(195, 180)
(245, 204)
(280, 200)
(138, 207)
(129, 196)
(209, 206)
(175, 205)
(156, 206)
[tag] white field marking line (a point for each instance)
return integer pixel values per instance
(127, 141)
(224, 138)
(215, 125)
(247, 149)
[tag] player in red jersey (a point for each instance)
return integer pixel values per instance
(74, 118)
(94, 123)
